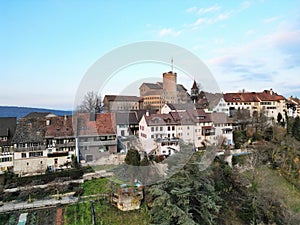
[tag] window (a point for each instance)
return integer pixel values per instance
(173, 127)
(152, 129)
(35, 154)
(24, 155)
(161, 128)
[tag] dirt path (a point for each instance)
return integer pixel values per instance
(59, 216)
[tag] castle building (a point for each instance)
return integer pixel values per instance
(155, 95)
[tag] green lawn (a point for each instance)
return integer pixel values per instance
(96, 186)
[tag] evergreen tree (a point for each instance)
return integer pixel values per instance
(133, 157)
(279, 117)
(145, 161)
(296, 128)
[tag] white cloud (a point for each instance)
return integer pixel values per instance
(169, 32)
(209, 9)
(191, 9)
(250, 32)
(245, 5)
(271, 19)
(199, 22)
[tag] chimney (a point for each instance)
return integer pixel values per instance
(65, 119)
(147, 113)
(92, 116)
(271, 91)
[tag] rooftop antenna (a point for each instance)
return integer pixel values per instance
(172, 64)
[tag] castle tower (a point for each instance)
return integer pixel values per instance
(194, 92)
(170, 87)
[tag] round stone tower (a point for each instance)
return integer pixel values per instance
(170, 87)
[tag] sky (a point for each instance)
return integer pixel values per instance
(47, 47)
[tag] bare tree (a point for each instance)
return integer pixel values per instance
(91, 102)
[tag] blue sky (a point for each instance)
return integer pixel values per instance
(46, 47)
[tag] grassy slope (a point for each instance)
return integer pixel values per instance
(272, 183)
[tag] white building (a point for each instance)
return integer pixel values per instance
(223, 128)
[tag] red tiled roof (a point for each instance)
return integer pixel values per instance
(266, 95)
(102, 124)
(60, 126)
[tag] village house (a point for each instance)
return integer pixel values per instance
(223, 128)
(204, 132)
(96, 136)
(117, 103)
(30, 154)
(212, 102)
(60, 142)
(156, 126)
(7, 130)
(293, 106)
(179, 107)
(268, 102)
(127, 123)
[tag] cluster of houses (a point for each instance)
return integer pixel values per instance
(163, 115)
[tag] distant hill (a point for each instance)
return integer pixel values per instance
(14, 111)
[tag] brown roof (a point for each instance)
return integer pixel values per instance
(60, 126)
(199, 115)
(152, 86)
(102, 124)
(182, 118)
(209, 100)
(269, 95)
(160, 119)
(181, 106)
(266, 95)
(220, 117)
(123, 98)
(38, 114)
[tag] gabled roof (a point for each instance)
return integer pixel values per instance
(200, 116)
(269, 95)
(180, 87)
(123, 98)
(152, 85)
(60, 126)
(209, 100)
(160, 119)
(126, 118)
(101, 124)
(39, 115)
(182, 118)
(181, 106)
(294, 100)
(142, 112)
(241, 97)
(266, 95)
(30, 130)
(195, 86)
(7, 126)
(220, 117)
